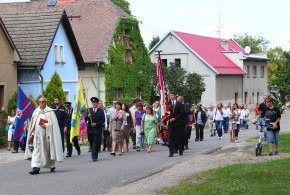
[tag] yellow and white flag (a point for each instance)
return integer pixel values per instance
(75, 122)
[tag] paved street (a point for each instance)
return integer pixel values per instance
(80, 175)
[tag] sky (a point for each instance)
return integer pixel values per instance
(266, 18)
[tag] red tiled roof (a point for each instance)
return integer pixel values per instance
(93, 30)
(211, 51)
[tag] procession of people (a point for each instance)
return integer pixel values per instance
(112, 127)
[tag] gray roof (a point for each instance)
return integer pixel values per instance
(32, 33)
(93, 31)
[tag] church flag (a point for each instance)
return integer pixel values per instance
(24, 110)
(164, 103)
(80, 102)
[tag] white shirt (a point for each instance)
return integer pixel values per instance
(218, 116)
(226, 112)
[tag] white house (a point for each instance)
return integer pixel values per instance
(230, 74)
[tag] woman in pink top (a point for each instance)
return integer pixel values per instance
(83, 129)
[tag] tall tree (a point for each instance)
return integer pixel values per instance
(194, 87)
(124, 5)
(154, 41)
(189, 85)
(53, 89)
(257, 44)
(279, 74)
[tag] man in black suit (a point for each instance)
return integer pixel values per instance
(176, 124)
(69, 112)
(60, 113)
(187, 128)
(96, 118)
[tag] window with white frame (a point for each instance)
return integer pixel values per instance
(66, 95)
(61, 54)
(56, 60)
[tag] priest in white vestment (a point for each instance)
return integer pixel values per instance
(44, 140)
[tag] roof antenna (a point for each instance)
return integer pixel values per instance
(219, 26)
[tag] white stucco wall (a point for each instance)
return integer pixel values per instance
(172, 48)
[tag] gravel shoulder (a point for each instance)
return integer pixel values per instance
(228, 154)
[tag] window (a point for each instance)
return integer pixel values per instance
(164, 62)
(236, 97)
(262, 71)
(253, 98)
(248, 71)
(258, 94)
(177, 62)
(128, 56)
(246, 97)
(61, 54)
(66, 95)
(254, 71)
(2, 89)
(56, 54)
(119, 93)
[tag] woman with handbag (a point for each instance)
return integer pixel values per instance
(117, 124)
(128, 127)
(10, 122)
(149, 126)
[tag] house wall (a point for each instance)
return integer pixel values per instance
(255, 85)
(8, 71)
(172, 48)
(68, 71)
(93, 86)
(226, 88)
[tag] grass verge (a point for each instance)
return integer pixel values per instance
(260, 178)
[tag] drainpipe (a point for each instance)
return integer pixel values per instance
(41, 78)
(98, 83)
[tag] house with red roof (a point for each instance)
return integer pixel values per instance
(229, 73)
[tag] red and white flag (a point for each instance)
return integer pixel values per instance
(164, 103)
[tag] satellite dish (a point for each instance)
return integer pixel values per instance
(247, 50)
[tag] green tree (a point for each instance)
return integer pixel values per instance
(124, 5)
(194, 87)
(154, 41)
(279, 74)
(257, 44)
(175, 78)
(189, 85)
(12, 102)
(53, 89)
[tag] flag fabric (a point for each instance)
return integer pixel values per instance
(164, 103)
(75, 123)
(24, 110)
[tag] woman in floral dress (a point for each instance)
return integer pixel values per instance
(149, 126)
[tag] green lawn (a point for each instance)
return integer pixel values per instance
(272, 177)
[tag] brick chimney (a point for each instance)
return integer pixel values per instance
(225, 44)
(64, 2)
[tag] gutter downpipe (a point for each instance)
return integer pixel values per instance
(98, 83)
(41, 79)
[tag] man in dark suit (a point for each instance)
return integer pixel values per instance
(96, 118)
(60, 113)
(176, 124)
(187, 128)
(69, 112)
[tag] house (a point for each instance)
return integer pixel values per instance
(99, 25)
(223, 64)
(9, 60)
(46, 43)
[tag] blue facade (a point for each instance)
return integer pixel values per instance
(60, 59)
